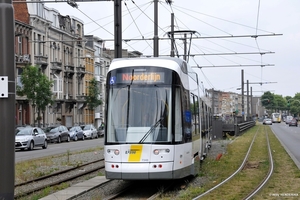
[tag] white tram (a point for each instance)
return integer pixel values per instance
(276, 117)
(153, 120)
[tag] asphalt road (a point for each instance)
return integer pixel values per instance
(55, 148)
(290, 139)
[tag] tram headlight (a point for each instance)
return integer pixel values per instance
(117, 152)
(114, 151)
(156, 151)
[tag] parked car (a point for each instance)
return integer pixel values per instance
(19, 128)
(90, 131)
(293, 122)
(57, 133)
(30, 137)
(267, 121)
(100, 131)
(76, 133)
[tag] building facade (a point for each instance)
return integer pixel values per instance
(56, 44)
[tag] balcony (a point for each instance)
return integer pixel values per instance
(41, 60)
(79, 42)
(69, 70)
(56, 65)
(25, 58)
(68, 98)
(80, 97)
(57, 96)
(80, 70)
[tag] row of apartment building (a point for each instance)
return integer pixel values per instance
(57, 45)
(231, 103)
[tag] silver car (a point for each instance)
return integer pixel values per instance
(30, 137)
(90, 131)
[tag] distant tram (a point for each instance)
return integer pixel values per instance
(153, 120)
(276, 117)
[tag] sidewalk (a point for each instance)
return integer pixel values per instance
(77, 189)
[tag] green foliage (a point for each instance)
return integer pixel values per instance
(275, 102)
(92, 98)
(36, 87)
(267, 99)
(294, 104)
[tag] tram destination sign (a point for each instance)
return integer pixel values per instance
(141, 77)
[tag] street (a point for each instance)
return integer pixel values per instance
(290, 140)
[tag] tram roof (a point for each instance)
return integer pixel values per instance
(167, 62)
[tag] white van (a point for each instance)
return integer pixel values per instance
(288, 119)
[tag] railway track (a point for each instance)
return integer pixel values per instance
(229, 179)
(149, 190)
(29, 187)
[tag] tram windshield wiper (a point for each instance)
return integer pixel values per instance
(150, 130)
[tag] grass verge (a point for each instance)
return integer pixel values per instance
(31, 169)
(284, 182)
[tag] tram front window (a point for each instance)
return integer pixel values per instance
(139, 114)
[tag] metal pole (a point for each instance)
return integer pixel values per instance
(118, 28)
(243, 109)
(251, 102)
(172, 35)
(184, 55)
(7, 100)
(155, 39)
(248, 105)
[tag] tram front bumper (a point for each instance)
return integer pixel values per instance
(139, 171)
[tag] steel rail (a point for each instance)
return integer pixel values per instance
(262, 183)
(53, 183)
(232, 175)
(270, 172)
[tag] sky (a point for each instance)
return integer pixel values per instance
(224, 44)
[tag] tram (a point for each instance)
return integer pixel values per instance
(153, 120)
(276, 117)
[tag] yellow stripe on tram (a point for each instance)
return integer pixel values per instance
(135, 153)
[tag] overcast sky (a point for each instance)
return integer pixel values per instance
(277, 47)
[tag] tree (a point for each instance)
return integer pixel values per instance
(93, 98)
(267, 100)
(279, 102)
(294, 104)
(37, 88)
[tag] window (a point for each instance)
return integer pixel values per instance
(178, 119)
(39, 10)
(97, 50)
(39, 43)
(67, 56)
(20, 50)
(78, 30)
(97, 69)
(54, 20)
(134, 111)
(54, 52)
(78, 57)
(19, 82)
(57, 86)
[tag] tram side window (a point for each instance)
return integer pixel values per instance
(178, 118)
